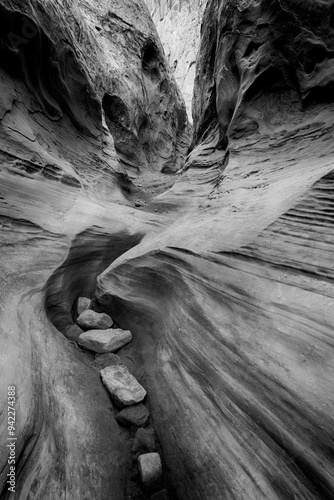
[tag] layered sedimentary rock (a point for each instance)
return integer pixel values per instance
(86, 101)
(225, 280)
(178, 23)
(236, 295)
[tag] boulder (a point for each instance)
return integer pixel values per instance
(144, 441)
(150, 470)
(83, 304)
(123, 387)
(160, 495)
(105, 341)
(137, 416)
(91, 320)
(108, 359)
(73, 332)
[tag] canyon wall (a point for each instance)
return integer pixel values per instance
(232, 303)
(87, 102)
(178, 23)
(222, 272)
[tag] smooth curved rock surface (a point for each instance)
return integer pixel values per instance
(65, 197)
(225, 278)
(238, 289)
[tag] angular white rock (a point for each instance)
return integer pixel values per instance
(150, 470)
(103, 341)
(83, 304)
(91, 320)
(123, 387)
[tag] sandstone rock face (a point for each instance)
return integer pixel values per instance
(90, 320)
(123, 387)
(66, 68)
(178, 23)
(225, 278)
(103, 341)
(238, 288)
(150, 469)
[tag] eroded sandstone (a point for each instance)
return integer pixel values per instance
(64, 195)
(225, 278)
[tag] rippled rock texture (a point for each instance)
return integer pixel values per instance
(225, 280)
(178, 23)
(236, 295)
(86, 102)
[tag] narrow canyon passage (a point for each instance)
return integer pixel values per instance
(211, 244)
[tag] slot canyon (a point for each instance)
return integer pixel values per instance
(168, 166)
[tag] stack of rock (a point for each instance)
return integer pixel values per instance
(126, 392)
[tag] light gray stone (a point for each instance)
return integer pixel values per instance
(103, 341)
(123, 387)
(83, 304)
(91, 320)
(150, 470)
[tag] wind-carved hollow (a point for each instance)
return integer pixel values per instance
(54, 76)
(117, 112)
(118, 120)
(316, 55)
(151, 61)
(90, 254)
(252, 48)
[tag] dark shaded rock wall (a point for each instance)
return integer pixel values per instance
(105, 54)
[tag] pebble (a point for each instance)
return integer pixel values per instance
(105, 341)
(122, 386)
(91, 320)
(150, 470)
(73, 333)
(137, 416)
(83, 304)
(144, 441)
